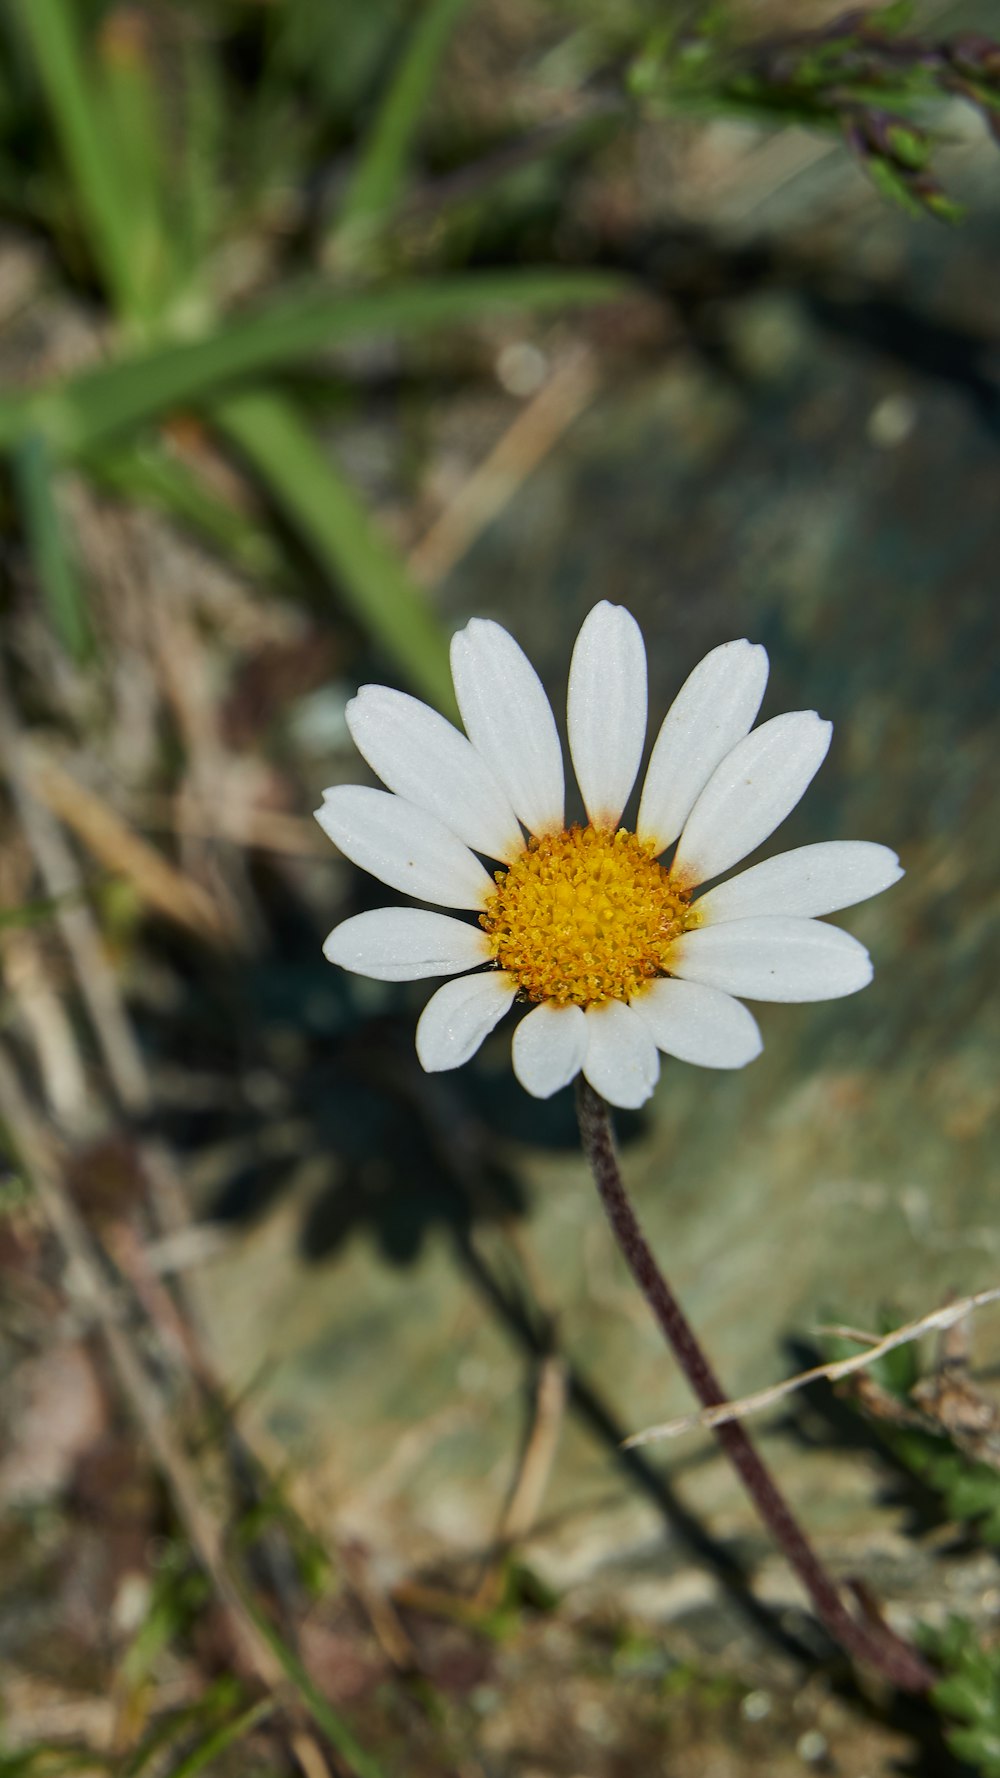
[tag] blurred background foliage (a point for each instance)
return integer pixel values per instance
(251, 251)
(242, 188)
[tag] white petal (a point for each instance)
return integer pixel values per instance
(548, 1048)
(714, 709)
(811, 880)
(457, 1018)
(509, 721)
(621, 1061)
(699, 1024)
(774, 959)
(606, 710)
(750, 793)
(405, 944)
(423, 757)
(403, 846)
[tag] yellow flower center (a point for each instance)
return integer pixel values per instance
(585, 915)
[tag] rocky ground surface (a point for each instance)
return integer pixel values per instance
(407, 1283)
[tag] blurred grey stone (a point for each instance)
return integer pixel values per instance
(851, 1168)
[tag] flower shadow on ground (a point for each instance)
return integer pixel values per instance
(386, 1152)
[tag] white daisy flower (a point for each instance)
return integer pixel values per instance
(607, 945)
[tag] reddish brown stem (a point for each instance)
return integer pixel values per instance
(875, 1645)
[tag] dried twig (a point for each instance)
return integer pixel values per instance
(833, 1372)
(539, 1453)
(204, 1529)
(61, 876)
(245, 825)
(533, 1473)
(39, 1158)
(493, 484)
(209, 779)
(101, 829)
(27, 971)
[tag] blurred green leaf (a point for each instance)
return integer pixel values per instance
(893, 17)
(200, 1718)
(338, 52)
(79, 111)
(149, 475)
(938, 204)
(219, 1739)
(180, 1592)
(53, 1759)
(970, 1490)
(199, 169)
(969, 1691)
(888, 180)
(90, 409)
(328, 1720)
(32, 913)
(908, 145)
(333, 520)
(55, 569)
(384, 160)
(132, 98)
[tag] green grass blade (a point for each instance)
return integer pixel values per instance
(53, 1759)
(148, 475)
(200, 196)
(327, 1719)
(89, 410)
(32, 913)
(34, 475)
(135, 126)
(380, 176)
(219, 1739)
(333, 520)
(71, 88)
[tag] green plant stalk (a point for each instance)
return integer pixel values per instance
(54, 567)
(91, 409)
(199, 184)
(80, 120)
(308, 488)
(33, 913)
(151, 477)
(219, 1739)
(379, 179)
(329, 1722)
(132, 100)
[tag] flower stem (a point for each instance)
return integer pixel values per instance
(870, 1642)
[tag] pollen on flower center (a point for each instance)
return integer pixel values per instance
(584, 916)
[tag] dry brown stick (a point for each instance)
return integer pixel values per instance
(203, 1529)
(28, 977)
(252, 827)
(98, 986)
(832, 1372)
(181, 1335)
(59, 873)
(113, 843)
(539, 1452)
(533, 1472)
(39, 1158)
(208, 779)
(379, 1608)
(495, 481)
(75, 921)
